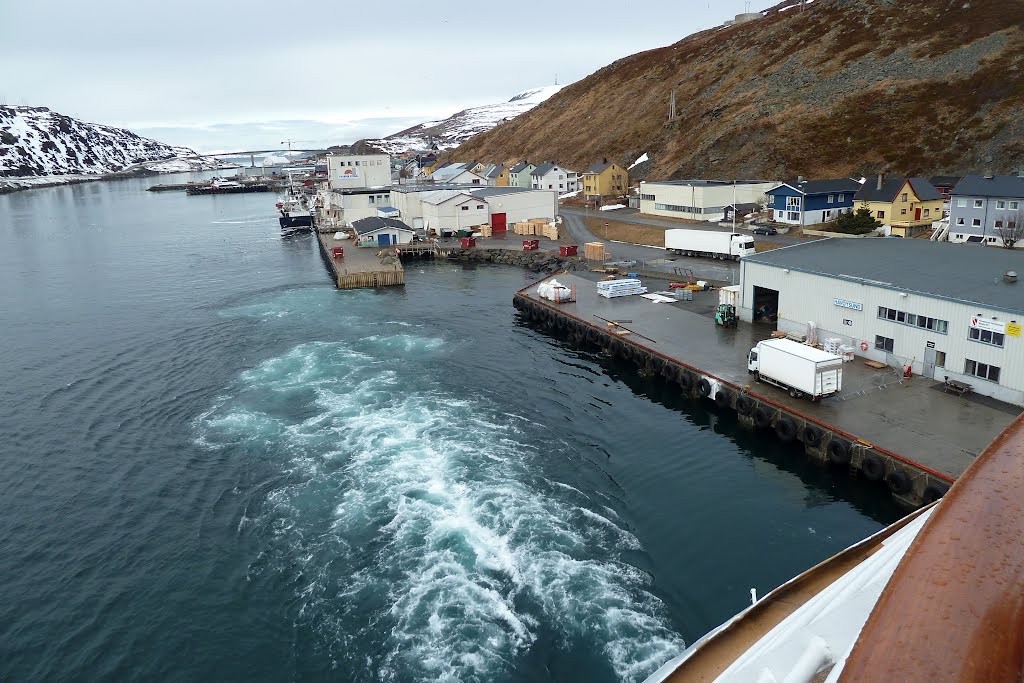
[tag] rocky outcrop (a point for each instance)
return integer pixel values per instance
(537, 261)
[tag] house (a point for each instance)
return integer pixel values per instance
(908, 205)
(496, 175)
(350, 171)
(812, 202)
(343, 207)
(519, 175)
(741, 211)
(945, 184)
(382, 231)
(453, 210)
(700, 200)
(551, 176)
(984, 208)
(457, 174)
(428, 167)
(605, 179)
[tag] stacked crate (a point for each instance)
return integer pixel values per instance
(616, 288)
(485, 230)
(524, 228)
(594, 251)
(550, 231)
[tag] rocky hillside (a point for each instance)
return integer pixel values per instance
(460, 127)
(841, 87)
(35, 141)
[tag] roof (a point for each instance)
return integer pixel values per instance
(365, 225)
(814, 187)
(543, 169)
(519, 168)
(441, 196)
(700, 183)
(495, 172)
(743, 207)
(911, 265)
(944, 180)
(430, 187)
(891, 187)
(599, 166)
(990, 186)
(495, 191)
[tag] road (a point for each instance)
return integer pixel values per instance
(630, 216)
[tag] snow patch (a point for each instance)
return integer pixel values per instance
(639, 160)
(613, 207)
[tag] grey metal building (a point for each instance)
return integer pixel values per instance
(982, 207)
(949, 312)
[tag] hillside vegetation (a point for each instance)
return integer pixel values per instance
(844, 87)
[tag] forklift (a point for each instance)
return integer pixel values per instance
(726, 316)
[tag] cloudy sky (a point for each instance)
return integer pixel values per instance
(236, 75)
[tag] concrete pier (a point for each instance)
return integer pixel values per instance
(881, 427)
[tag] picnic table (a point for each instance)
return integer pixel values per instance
(952, 386)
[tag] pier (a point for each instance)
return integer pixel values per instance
(881, 427)
(360, 267)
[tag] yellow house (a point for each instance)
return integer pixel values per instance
(427, 170)
(496, 175)
(502, 179)
(604, 179)
(908, 205)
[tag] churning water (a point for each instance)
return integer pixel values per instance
(217, 467)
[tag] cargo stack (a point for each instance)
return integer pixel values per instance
(616, 288)
(524, 228)
(485, 230)
(551, 231)
(594, 251)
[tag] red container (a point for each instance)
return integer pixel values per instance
(337, 252)
(531, 245)
(568, 249)
(468, 242)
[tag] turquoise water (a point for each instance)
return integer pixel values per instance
(217, 467)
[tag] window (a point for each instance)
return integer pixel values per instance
(792, 215)
(881, 214)
(648, 197)
(588, 188)
(961, 221)
(465, 208)
(904, 197)
(372, 199)
(561, 186)
(842, 198)
(999, 224)
(979, 203)
(1014, 206)
(982, 370)
(793, 203)
(940, 359)
(357, 163)
(480, 206)
(962, 203)
(991, 240)
(903, 212)
(976, 222)
(831, 198)
(986, 336)
(1000, 204)
(884, 343)
(914, 320)
(927, 212)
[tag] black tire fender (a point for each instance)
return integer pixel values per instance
(744, 405)
(812, 436)
(839, 453)
(667, 371)
(785, 429)
(934, 491)
(762, 418)
(685, 380)
(899, 482)
(704, 387)
(872, 467)
(723, 398)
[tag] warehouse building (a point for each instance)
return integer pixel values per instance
(502, 206)
(951, 313)
(701, 200)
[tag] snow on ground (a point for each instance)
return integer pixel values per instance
(568, 195)
(612, 207)
(639, 160)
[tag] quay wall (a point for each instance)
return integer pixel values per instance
(910, 482)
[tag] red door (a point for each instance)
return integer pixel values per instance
(498, 223)
(917, 214)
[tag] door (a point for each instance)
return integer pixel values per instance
(499, 222)
(917, 214)
(383, 240)
(929, 361)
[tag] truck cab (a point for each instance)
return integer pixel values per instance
(752, 364)
(742, 245)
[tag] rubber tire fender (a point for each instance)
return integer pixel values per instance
(667, 371)
(704, 387)
(723, 399)
(872, 467)
(812, 436)
(899, 482)
(785, 429)
(517, 302)
(744, 405)
(685, 380)
(762, 418)
(839, 452)
(934, 492)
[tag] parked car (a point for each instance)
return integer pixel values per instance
(765, 230)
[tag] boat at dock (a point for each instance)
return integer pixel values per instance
(227, 186)
(295, 215)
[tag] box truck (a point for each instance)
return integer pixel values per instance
(799, 369)
(710, 243)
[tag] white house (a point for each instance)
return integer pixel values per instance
(551, 176)
(700, 200)
(351, 171)
(383, 231)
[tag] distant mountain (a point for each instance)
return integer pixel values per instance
(458, 128)
(35, 141)
(827, 90)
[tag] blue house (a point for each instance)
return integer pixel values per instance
(824, 201)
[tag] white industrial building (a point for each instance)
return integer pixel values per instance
(429, 206)
(950, 312)
(343, 207)
(700, 200)
(351, 171)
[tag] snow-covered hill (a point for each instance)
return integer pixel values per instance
(456, 129)
(35, 141)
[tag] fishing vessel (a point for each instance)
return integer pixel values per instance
(295, 215)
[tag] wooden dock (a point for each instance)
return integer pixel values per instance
(360, 267)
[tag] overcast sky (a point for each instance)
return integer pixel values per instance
(224, 75)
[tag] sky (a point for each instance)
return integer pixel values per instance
(218, 76)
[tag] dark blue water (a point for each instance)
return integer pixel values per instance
(214, 466)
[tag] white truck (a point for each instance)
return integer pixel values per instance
(711, 243)
(800, 369)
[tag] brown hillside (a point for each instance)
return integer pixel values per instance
(844, 87)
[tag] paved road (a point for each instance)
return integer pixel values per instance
(630, 216)
(651, 258)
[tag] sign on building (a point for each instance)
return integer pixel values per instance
(988, 325)
(1013, 329)
(348, 173)
(852, 305)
